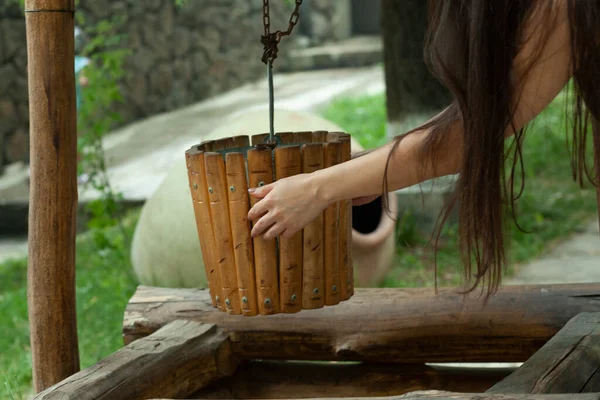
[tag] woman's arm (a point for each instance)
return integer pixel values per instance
(290, 204)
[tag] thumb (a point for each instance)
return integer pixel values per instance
(261, 191)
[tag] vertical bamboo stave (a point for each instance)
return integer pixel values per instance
(239, 205)
(331, 226)
(313, 282)
(345, 234)
(217, 194)
(260, 172)
(198, 189)
(288, 162)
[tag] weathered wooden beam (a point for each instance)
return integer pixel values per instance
(53, 190)
(176, 361)
(382, 325)
(303, 380)
(439, 395)
(568, 363)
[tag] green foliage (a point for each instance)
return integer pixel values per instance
(551, 207)
(105, 282)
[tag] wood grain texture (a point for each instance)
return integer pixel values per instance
(304, 380)
(219, 211)
(313, 279)
(176, 361)
(331, 221)
(303, 137)
(319, 136)
(568, 363)
(241, 141)
(345, 235)
(239, 205)
(260, 172)
(288, 162)
(199, 194)
(206, 146)
(260, 138)
(52, 193)
(224, 143)
(383, 325)
(286, 137)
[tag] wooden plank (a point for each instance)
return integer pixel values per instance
(568, 363)
(239, 205)
(440, 395)
(219, 211)
(331, 224)
(288, 162)
(204, 226)
(345, 234)
(313, 279)
(260, 172)
(302, 380)
(383, 325)
(52, 192)
(176, 361)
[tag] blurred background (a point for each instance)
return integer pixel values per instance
(157, 76)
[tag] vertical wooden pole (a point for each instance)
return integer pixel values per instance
(53, 190)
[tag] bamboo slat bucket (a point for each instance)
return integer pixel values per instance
(254, 276)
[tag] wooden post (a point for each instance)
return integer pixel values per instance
(53, 190)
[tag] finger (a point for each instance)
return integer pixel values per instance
(275, 230)
(258, 210)
(261, 226)
(261, 191)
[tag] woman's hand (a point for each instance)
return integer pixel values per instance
(285, 206)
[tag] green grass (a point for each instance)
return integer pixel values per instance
(551, 208)
(105, 283)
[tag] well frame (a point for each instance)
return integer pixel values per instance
(177, 343)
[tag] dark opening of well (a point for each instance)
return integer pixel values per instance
(366, 218)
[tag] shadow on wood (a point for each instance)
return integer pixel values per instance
(302, 380)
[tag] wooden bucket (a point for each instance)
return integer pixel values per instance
(256, 276)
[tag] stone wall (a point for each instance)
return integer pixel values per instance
(179, 55)
(14, 112)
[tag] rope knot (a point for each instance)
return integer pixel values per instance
(270, 47)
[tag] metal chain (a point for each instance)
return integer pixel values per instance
(270, 42)
(271, 39)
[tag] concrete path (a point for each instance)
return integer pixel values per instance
(575, 260)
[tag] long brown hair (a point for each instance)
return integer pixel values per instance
(470, 47)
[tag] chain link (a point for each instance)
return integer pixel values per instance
(271, 40)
